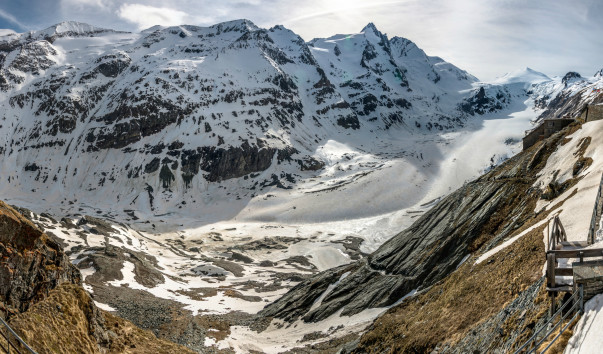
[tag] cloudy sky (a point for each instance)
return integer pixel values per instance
(485, 37)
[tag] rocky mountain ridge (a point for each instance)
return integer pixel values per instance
(426, 252)
(182, 107)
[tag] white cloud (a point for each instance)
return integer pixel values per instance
(145, 16)
(10, 18)
(83, 3)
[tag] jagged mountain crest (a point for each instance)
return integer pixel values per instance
(371, 27)
(184, 106)
(386, 72)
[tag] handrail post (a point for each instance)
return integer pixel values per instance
(550, 262)
(552, 296)
(581, 299)
(548, 234)
(554, 233)
(550, 267)
(593, 221)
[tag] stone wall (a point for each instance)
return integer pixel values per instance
(533, 136)
(592, 287)
(546, 128)
(551, 126)
(593, 113)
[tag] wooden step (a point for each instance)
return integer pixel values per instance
(564, 272)
(565, 288)
(577, 244)
(592, 252)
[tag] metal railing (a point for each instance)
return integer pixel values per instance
(577, 301)
(11, 346)
(596, 214)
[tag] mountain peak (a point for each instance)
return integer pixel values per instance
(153, 29)
(525, 75)
(69, 28)
(370, 27)
(73, 26)
(240, 24)
(7, 32)
(570, 77)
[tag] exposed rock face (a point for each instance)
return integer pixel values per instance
(469, 303)
(473, 217)
(569, 77)
(484, 102)
(113, 65)
(571, 97)
(32, 262)
(42, 296)
(222, 163)
(235, 161)
(68, 319)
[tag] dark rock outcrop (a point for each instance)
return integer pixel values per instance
(350, 121)
(152, 166)
(32, 263)
(569, 77)
(481, 102)
(112, 65)
(310, 164)
(221, 164)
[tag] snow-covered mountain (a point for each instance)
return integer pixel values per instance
(153, 120)
(569, 95)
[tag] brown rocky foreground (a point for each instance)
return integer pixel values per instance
(42, 298)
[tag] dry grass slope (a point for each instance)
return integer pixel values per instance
(67, 321)
(450, 308)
